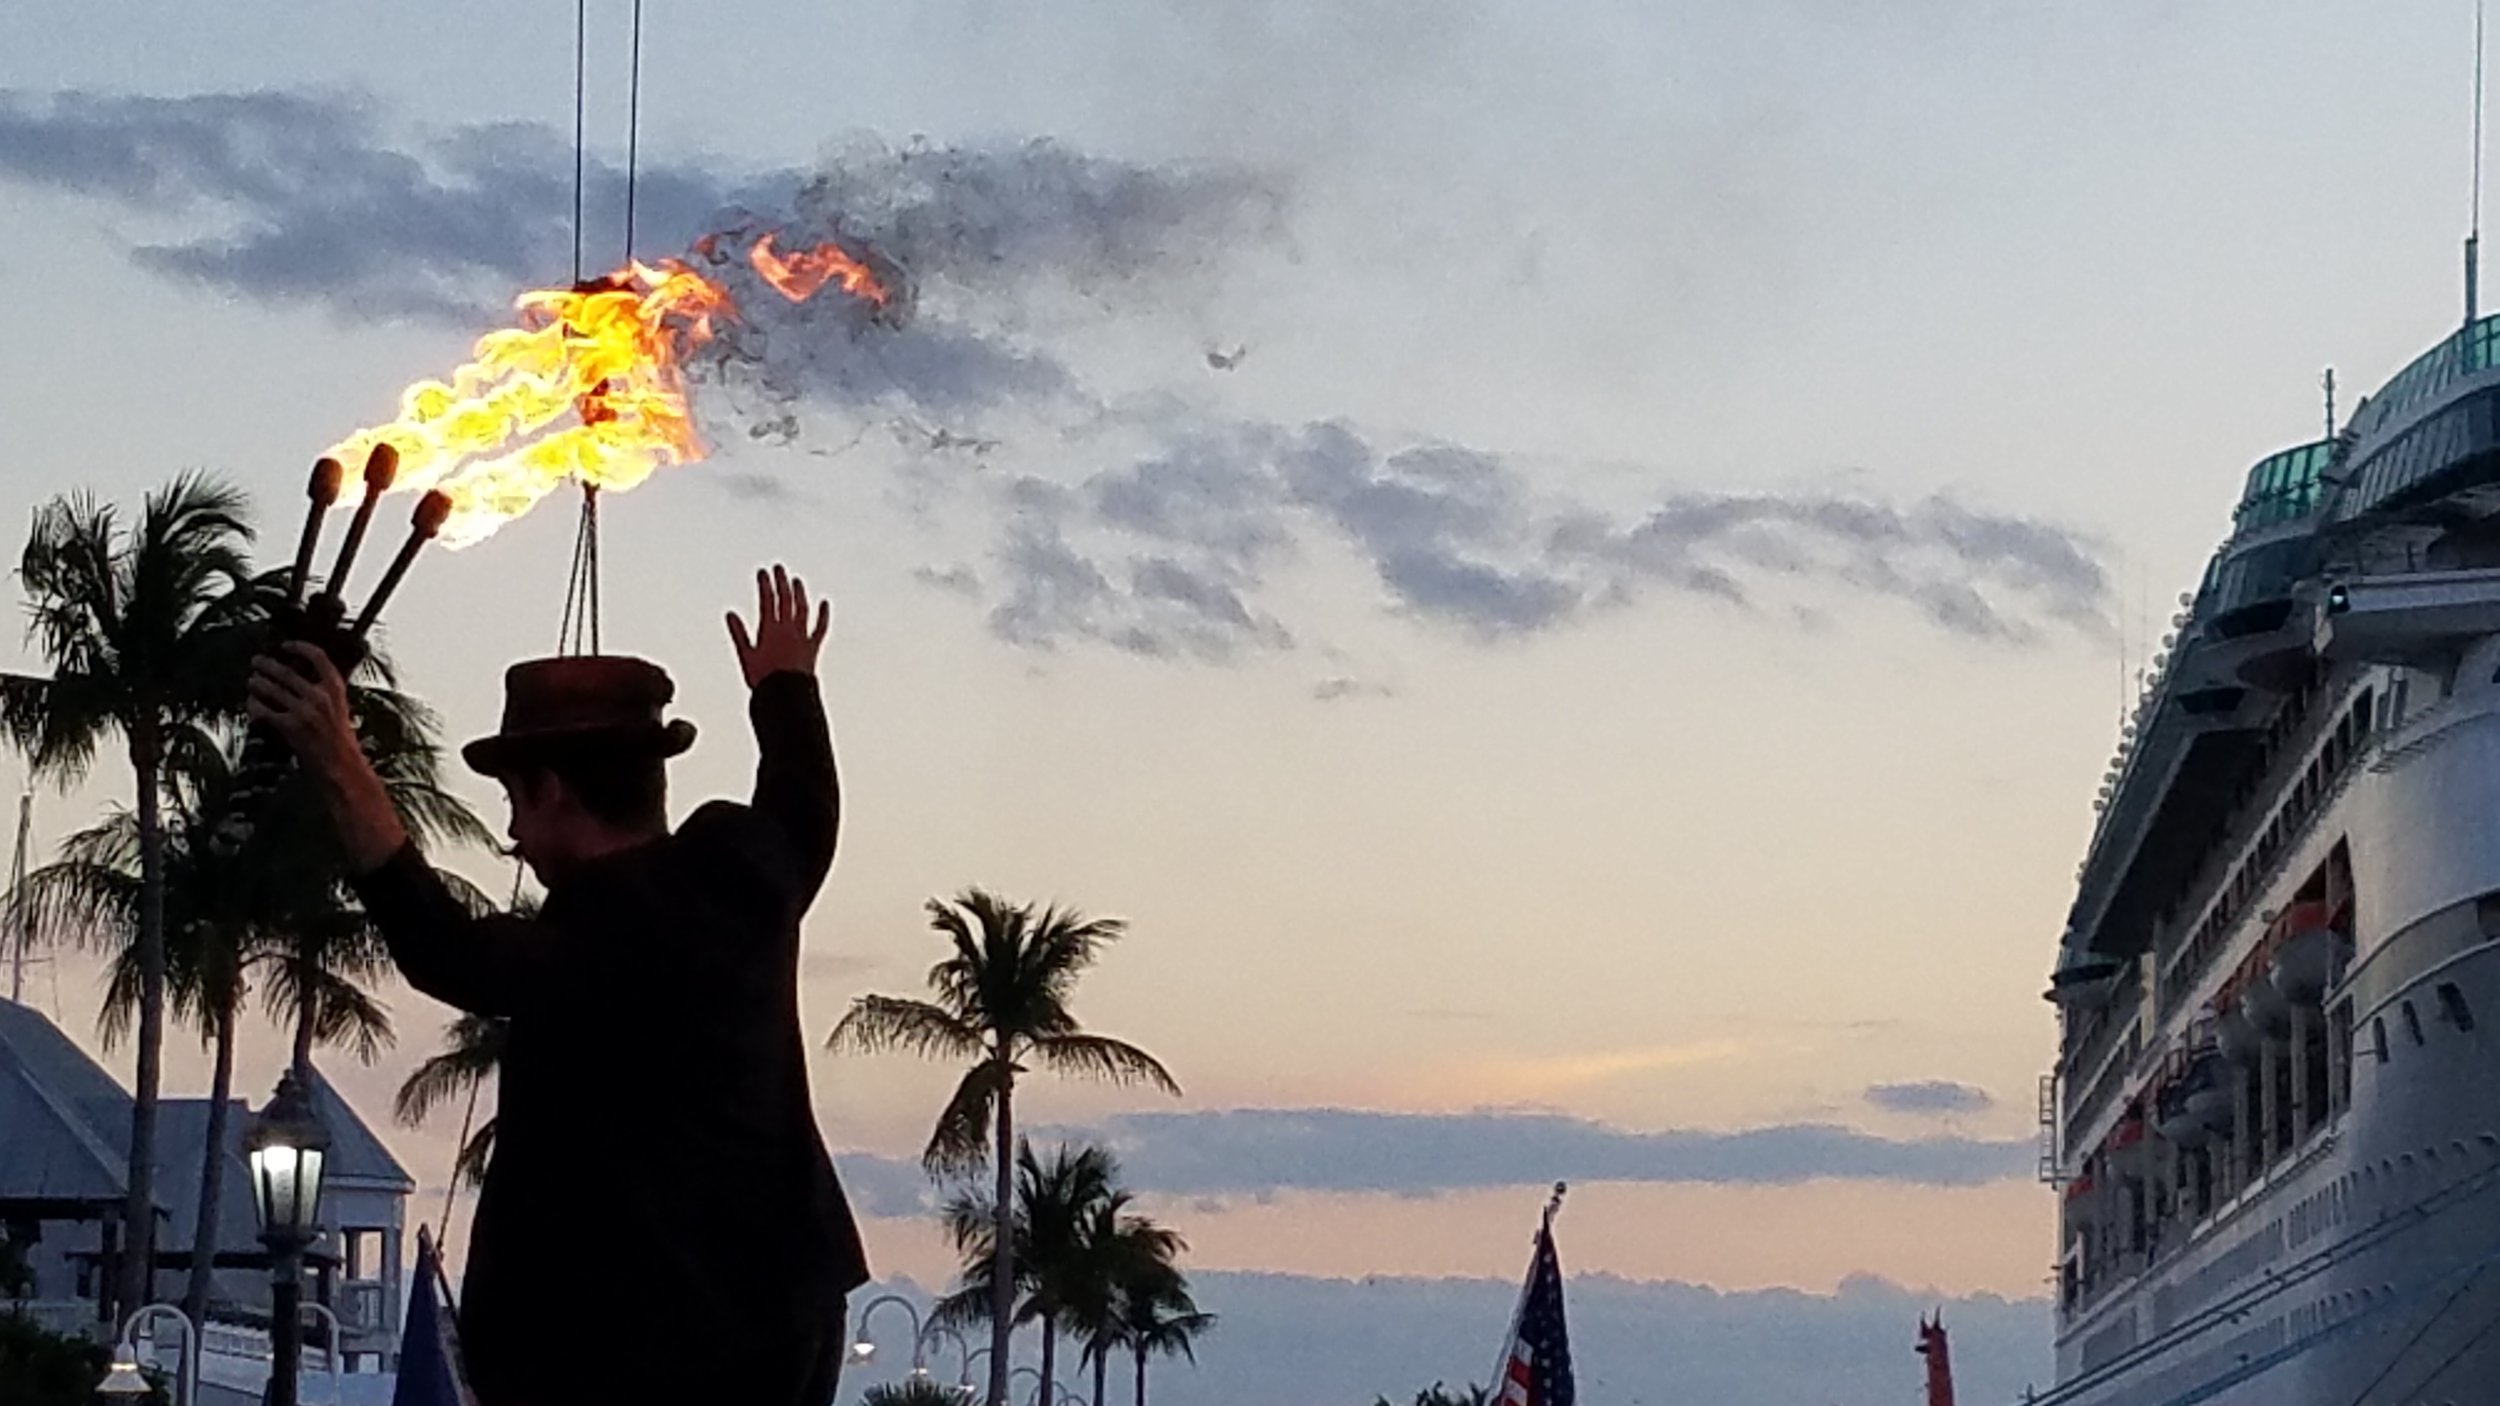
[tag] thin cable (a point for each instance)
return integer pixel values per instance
(2419, 1333)
(581, 69)
(633, 130)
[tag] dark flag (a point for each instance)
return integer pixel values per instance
(429, 1346)
(1536, 1364)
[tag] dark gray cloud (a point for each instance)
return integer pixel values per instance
(1462, 540)
(1258, 1151)
(310, 197)
(1930, 1096)
(1173, 553)
(1295, 1337)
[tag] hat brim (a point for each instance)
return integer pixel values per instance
(506, 752)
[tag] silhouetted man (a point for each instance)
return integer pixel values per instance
(660, 1222)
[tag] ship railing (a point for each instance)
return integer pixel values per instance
(2244, 828)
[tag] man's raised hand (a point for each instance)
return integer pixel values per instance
(784, 639)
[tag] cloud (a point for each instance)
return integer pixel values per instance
(1930, 1096)
(1163, 529)
(320, 201)
(1288, 1337)
(1260, 1151)
(888, 1187)
(1463, 541)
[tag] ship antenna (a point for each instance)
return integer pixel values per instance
(2330, 402)
(2474, 235)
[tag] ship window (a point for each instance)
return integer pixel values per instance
(2378, 1037)
(2413, 1022)
(2452, 1006)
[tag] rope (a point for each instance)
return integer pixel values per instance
(633, 130)
(2420, 1333)
(581, 69)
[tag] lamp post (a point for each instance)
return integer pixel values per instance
(123, 1377)
(963, 1351)
(322, 1311)
(963, 1382)
(863, 1347)
(288, 1152)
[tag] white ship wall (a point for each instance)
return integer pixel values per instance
(2362, 1269)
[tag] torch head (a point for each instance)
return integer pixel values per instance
(381, 466)
(328, 476)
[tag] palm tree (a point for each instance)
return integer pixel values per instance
(1137, 1298)
(1002, 998)
(911, 1391)
(1048, 1256)
(141, 634)
(472, 1054)
(232, 911)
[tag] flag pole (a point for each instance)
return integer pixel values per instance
(1519, 1310)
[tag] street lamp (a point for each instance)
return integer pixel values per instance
(863, 1347)
(123, 1377)
(963, 1351)
(288, 1150)
(963, 1379)
(322, 1311)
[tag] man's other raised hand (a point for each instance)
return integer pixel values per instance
(785, 639)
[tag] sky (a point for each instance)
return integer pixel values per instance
(1608, 688)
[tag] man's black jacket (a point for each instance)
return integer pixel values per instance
(660, 1216)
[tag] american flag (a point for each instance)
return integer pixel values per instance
(1536, 1365)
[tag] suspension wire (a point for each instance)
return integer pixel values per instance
(633, 130)
(581, 71)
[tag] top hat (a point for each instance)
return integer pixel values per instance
(604, 705)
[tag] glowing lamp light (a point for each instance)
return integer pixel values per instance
(123, 1378)
(288, 1150)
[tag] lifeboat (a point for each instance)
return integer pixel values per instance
(2305, 963)
(2267, 1008)
(2238, 1037)
(2185, 1112)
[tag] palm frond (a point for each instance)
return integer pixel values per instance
(961, 1141)
(878, 1023)
(1104, 1058)
(473, 1050)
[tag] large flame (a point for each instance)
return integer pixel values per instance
(589, 388)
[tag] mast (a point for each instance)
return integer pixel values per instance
(2474, 227)
(21, 917)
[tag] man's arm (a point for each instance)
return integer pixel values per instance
(796, 786)
(487, 965)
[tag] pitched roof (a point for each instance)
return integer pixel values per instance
(62, 1113)
(68, 1126)
(355, 1153)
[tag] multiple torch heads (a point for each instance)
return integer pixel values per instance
(321, 617)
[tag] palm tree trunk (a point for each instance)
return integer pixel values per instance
(1102, 1370)
(1050, 1357)
(1140, 1398)
(139, 1209)
(307, 1010)
(212, 1173)
(1003, 1290)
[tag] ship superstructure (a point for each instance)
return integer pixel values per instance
(2274, 1125)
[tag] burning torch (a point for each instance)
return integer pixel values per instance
(321, 618)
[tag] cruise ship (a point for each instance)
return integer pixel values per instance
(2274, 1123)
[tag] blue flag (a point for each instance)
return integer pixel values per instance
(429, 1346)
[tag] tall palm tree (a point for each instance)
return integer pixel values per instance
(140, 632)
(231, 912)
(472, 1054)
(1001, 999)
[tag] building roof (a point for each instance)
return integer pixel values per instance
(68, 1122)
(356, 1155)
(68, 1136)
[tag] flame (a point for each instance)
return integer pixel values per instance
(797, 276)
(589, 387)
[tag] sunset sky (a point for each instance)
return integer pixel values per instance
(1609, 688)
